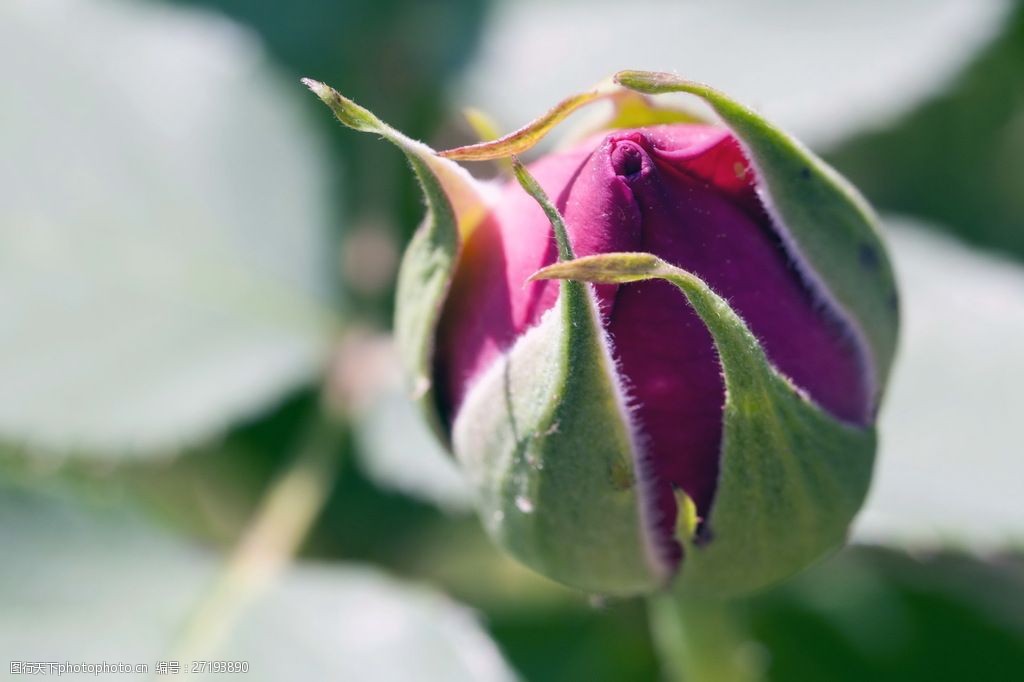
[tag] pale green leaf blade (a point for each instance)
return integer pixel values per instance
(949, 466)
(823, 70)
(165, 266)
(395, 447)
(88, 585)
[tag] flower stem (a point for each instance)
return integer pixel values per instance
(281, 522)
(700, 640)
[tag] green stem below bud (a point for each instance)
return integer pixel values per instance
(701, 641)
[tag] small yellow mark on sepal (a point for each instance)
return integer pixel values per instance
(686, 517)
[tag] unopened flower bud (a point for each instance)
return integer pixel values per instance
(702, 413)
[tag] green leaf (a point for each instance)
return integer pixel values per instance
(404, 82)
(165, 246)
(972, 187)
(455, 205)
(882, 614)
(949, 465)
(397, 451)
(546, 440)
(792, 477)
(395, 447)
(94, 584)
(822, 70)
(829, 229)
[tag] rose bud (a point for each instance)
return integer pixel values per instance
(658, 354)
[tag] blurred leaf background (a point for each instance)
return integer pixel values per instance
(196, 269)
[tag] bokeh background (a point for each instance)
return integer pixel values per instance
(205, 452)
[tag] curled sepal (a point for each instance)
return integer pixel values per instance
(829, 229)
(791, 476)
(546, 439)
(518, 141)
(455, 205)
(486, 129)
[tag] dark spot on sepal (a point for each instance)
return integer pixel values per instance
(868, 257)
(703, 535)
(805, 173)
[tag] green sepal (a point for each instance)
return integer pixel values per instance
(522, 139)
(629, 110)
(455, 205)
(791, 476)
(833, 231)
(632, 110)
(545, 438)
